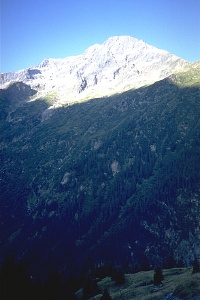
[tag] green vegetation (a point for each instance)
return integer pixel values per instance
(118, 276)
(179, 282)
(115, 178)
(158, 277)
(106, 295)
(190, 77)
(50, 98)
(17, 283)
(196, 266)
(188, 288)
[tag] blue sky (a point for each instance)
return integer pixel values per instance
(32, 30)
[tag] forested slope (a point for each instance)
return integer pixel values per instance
(115, 179)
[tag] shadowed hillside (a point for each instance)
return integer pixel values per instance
(114, 179)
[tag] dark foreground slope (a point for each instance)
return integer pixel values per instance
(178, 283)
(114, 179)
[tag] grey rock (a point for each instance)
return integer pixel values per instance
(119, 64)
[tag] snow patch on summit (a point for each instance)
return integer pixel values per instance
(119, 64)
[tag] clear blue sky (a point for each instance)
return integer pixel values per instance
(32, 30)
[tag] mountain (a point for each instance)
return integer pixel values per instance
(119, 64)
(111, 179)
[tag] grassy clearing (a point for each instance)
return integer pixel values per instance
(179, 281)
(191, 77)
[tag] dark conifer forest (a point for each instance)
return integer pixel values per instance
(102, 188)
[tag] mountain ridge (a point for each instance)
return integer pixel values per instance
(114, 179)
(119, 64)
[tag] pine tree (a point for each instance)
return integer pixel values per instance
(90, 288)
(196, 266)
(106, 295)
(14, 281)
(170, 263)
(118, 276)
(158, 276)
(145, 264)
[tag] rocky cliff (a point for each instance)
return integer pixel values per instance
(119, 64)
(113, 178)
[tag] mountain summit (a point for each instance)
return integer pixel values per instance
(114, 180)
(119, 64)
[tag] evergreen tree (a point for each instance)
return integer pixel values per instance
(170, 263)
(106, 295)
(196, 266)
(118, 276)
(180, 263)
(14, 281)
(145, 264)
(54, 287)
(90, 288)
(158, 276)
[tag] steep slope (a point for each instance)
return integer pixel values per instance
(119, 64)
(114, 178)
(178, 284)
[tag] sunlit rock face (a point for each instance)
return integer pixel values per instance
(119, 64)
(115, 178)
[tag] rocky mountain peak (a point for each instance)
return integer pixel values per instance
(114, 179)
(119, 64)
(121, 40)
